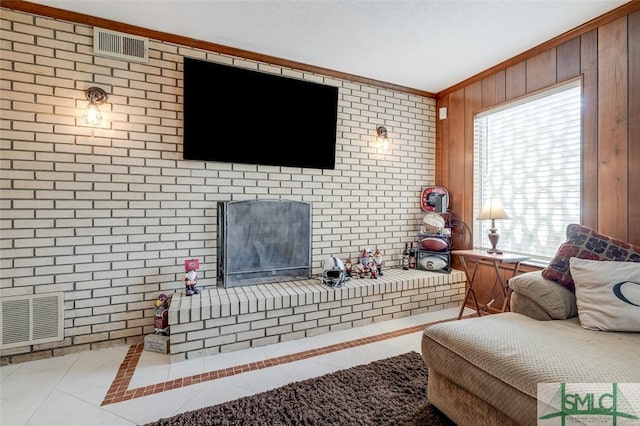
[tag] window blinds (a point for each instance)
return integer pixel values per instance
(528, 154)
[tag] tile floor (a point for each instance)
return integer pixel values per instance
(126, 385)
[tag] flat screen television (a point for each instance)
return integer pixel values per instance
(238, 115)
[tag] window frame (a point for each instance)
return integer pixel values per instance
(479, 233)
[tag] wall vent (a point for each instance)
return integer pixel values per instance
(31, 319)
(120, 45)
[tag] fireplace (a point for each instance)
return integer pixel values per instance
(263, 241)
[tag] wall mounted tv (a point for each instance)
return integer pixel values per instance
(243, 116)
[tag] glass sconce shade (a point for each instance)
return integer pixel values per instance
(383, 139)
(95, 96)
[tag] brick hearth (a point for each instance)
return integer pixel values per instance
(224, 320)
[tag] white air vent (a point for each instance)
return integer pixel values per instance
(31, 319)
(120, 45)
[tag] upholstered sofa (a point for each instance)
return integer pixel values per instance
(486, 370)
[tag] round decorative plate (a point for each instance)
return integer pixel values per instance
(428, 198)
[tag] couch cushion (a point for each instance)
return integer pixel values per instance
(586, 243)
(555, 300)
(608, 294)
(526, 306)
(501, 358)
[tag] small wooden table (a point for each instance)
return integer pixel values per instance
(475, 256)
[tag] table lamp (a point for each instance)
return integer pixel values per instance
(493, 209)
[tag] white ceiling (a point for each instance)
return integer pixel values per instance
(427, 45)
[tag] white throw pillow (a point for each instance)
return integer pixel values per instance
(607, 294)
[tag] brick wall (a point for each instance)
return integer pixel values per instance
(107, 215)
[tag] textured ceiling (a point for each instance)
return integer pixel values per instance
(427, 45)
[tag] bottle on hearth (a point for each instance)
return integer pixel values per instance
(405, 257)
(412, 257)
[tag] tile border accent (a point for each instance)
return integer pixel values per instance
(119, 390)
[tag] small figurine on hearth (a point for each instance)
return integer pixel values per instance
(191, 277)
(378, 260)
(161, 321)
(348, 266)
(373, 270)
(357, 270)
(365, 270)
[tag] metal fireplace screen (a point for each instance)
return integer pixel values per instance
(263, 241)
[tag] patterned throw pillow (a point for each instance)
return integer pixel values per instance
(586, 243)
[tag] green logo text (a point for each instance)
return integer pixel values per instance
(589, 403)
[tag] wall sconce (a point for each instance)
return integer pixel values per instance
(383, 139)
(96, 96)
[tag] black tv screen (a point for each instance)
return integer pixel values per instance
(243, 116)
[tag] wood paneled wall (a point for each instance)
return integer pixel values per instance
(607, 59)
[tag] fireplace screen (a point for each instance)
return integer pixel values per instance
(263, 241)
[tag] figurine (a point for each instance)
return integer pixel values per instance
(358, 270)
(348, 266)
(191, 279)
(161, 321)
(379, 261)
(365, 267)
(368, 261)
(373, 268)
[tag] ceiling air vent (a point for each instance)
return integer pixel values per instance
(31, 319)
(120, 45)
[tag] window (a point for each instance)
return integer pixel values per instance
(528, 154)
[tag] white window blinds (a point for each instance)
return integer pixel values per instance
(528, 154)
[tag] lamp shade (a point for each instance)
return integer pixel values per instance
(493, 209)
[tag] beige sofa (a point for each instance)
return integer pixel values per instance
(485, 370)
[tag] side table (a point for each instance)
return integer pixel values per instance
(474, 257)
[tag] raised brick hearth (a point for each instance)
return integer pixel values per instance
(224, 320)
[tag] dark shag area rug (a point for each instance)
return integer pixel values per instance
(392, 391)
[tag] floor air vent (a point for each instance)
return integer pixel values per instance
(120, 45)
(31, 319)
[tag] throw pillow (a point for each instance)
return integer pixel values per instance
(607, 294)
(554, 299)
(587, 243)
